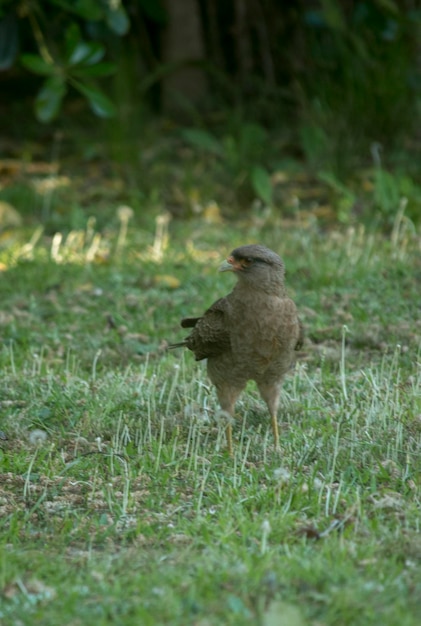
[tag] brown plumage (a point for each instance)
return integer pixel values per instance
(250, 334)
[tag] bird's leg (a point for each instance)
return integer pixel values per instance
(228, 433)
(270, 394)
(275, 430)
(226, 418)
(227, 397)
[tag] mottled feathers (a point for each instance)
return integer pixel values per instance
(250, 334)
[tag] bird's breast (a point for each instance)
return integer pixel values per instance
(256, 333)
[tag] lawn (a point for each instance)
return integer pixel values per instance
(118, 501)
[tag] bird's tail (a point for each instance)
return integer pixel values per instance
(189, 322)
(172, 346)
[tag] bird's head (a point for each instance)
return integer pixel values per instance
(257, 266)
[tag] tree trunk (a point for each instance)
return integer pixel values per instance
(183, 44)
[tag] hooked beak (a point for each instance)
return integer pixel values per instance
(230, 265)
(226, 267)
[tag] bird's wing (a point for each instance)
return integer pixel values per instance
(290, 329)
(210, 335)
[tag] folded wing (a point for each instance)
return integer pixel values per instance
(210, 336)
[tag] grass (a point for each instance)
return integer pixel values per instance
(118, 501)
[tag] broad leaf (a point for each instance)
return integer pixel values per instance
(100, 104)
(262, 184)
(100, 69)
(118, 20)
(252, 142)
(87, 52)
(202, 139)
(72, 39)
(49, 98)
(86, 9)
(36, 64)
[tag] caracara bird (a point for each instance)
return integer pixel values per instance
(251, 334)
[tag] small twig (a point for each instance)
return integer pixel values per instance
(40, 39)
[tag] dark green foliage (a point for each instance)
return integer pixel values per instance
(64, 55)
(332, 84)
(330, 66)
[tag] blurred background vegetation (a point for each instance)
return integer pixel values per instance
(210, 108)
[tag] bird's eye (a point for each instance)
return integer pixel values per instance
(246, 262)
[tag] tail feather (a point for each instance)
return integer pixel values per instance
(189, 322)
(186, 322)
(173, 346)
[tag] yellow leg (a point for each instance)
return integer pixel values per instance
(275, 431)
(229, 439)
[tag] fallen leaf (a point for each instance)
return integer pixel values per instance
(166, 280)
(281, 613)
(9, 217)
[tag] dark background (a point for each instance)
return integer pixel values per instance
(250, 89)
